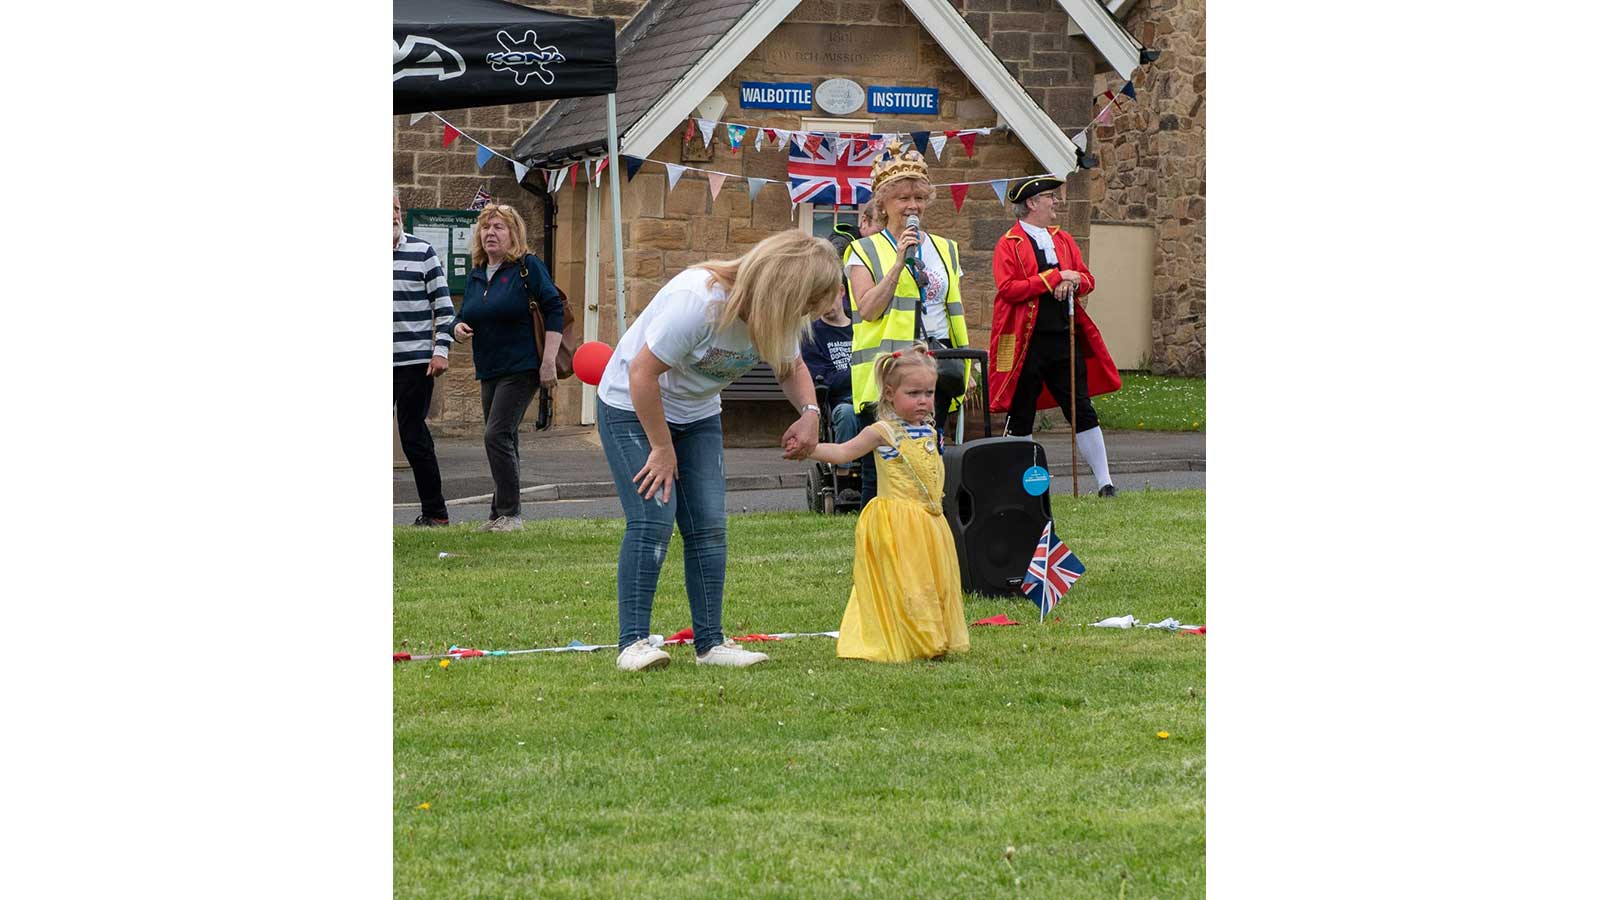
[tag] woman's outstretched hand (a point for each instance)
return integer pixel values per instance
(801, 438)
(660, 468)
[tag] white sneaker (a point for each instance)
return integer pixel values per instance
(489, 525)
(504, 523)
(730, 654)
(639, 656)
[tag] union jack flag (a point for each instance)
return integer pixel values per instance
(1052, 571)
(480, 200)
(830, 171)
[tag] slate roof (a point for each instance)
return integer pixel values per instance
(657, 47)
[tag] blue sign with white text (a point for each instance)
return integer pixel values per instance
(774, 95)
(1036, 480)
(912, 101)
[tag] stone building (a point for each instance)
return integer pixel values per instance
(1152, 175)
(1020, 67)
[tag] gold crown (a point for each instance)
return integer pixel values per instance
(902, 163)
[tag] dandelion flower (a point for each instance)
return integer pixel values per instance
(444, 663)
(423, 806)
(1162, 735)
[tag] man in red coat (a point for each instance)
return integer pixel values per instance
(1037, 270)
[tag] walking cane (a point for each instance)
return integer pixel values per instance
(1072, 379)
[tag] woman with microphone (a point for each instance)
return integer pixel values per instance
(906, 284)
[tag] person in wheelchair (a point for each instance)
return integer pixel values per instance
(827, 356)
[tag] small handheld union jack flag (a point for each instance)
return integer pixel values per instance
(830, 171)
(1052, 571)
(480, 200)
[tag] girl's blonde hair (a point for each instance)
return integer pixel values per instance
(890, 370)
(778, 287)
(514, 225)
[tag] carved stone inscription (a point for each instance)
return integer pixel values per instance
(813, 49)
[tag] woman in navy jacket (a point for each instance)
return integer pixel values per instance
(494, 316)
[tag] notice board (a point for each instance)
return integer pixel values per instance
(450, 233)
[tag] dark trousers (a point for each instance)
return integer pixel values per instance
(413, 391)
(505, 400)
(1047, 365)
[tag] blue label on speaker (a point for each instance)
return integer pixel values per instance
(1036, 480)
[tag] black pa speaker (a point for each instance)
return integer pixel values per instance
(995, 522)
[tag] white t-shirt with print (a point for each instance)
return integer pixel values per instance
(934, 319)
(679, 327)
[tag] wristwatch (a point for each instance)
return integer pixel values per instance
(811, 407)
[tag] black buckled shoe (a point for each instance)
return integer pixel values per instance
(1108, 491)
(425, 522)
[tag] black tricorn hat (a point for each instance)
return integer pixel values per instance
(1022, 190)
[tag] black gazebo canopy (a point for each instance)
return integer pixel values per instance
(453, 54)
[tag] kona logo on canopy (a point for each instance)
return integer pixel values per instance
(422, 56)
(523, 61)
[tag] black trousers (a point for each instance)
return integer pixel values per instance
(1047, 365)
(505, 401)
(413, 391)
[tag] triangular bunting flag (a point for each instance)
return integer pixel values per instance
(1103, 117)
(588, 169)
(632, 164)
(813, 142)
(1081, 139)
(736, 136)
(707, 128)
(958, 193)
(1128, 90)
(688, 130)
(601, 166)
(520, 169)
(484, 155)
(572, 172)
(999, 189)
(716, 179)
(780, 137)
(755, 185)
(968, 139)
(1088, 160)
(674, 172)
(450, 134)
(418, 117)
(936, 141)
(1147, 55)
(920, 138)
(555, 180)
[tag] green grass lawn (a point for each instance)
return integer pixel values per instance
(555, 775)
(1148, 403)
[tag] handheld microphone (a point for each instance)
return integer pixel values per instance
(914, 263)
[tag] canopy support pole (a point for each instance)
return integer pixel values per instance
(616, 211)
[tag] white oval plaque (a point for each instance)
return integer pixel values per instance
(840, 96)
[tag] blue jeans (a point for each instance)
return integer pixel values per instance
(698, 505)
(845, 423)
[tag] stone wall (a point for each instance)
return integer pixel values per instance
(664, 232)
(1153, 171)
(430, 175)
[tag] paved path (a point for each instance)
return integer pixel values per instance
(564, 473)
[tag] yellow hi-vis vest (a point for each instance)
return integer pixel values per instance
(896, 328)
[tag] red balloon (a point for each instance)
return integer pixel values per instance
(589, 361)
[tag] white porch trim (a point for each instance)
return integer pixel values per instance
(1104, 32)
(1043, 138)
(664, 117)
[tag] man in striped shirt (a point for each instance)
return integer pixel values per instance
(423, 317)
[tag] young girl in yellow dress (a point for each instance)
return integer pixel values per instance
(905, 602)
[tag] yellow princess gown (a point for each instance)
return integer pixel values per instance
(905, 602)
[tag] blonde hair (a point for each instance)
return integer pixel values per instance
(778, 287)
(890, 370)
(513, 220)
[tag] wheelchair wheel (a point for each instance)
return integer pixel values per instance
(815, 492)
